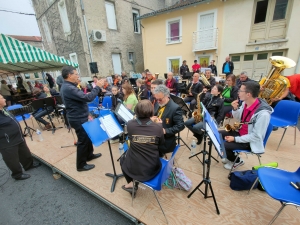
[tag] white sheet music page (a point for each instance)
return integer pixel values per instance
(124, 113)
(111, 127)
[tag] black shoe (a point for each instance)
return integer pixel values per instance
(86, 167)
(24, 176)
(275, 128)
(34, 165)
(199, 138)
(95, 156)
(130, 190)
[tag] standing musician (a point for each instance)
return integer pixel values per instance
(171, 83)
(196, 67)
(254, 116)
(142, 158)
(77, 112)
(149, 79)
(169, 114)
(184, 69)
(214, 105)
(229, 94)
(142, 91)
(213, 68)
(154, 84)
(193, 89)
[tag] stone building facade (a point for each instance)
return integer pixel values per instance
(67, 25)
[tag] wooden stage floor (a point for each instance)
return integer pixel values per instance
(236, 207)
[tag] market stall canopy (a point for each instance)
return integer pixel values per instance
(19, 57)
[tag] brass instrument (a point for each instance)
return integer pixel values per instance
(139, 95)
(197, 114)
(236, 126)
(204, 80)
(274, 85)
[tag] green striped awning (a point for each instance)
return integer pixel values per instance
(19, 57)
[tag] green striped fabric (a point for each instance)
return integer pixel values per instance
(17, 56)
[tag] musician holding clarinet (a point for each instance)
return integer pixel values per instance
(254, 117)
(13, 146)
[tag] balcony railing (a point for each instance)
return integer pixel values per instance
(205, 39)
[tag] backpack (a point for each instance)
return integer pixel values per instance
(179, 180)
(243, 180)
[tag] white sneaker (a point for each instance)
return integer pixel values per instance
(228, 166)
(225, 160)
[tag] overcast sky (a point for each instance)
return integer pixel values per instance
(17, 24)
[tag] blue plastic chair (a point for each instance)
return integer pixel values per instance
(276, 183)
(107, 102)
(268, 132)
(285, 114)
(155, 184)
(18, 106)
(94, 103)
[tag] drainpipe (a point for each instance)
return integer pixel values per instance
(86, 31)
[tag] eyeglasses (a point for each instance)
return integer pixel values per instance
(160, 99)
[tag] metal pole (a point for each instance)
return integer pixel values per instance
(86, 31)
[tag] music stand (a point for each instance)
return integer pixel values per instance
(98, 136)
(188, 76)
(60, 105)
(44, 103)
(21, 112)
(216, 140)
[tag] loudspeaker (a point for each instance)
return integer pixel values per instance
(94, 67)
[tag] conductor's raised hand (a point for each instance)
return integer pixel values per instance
(100, 83)
(235, 104)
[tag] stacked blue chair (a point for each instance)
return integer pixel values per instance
(155, 184)
(107, 102)
(286, 114)
(277, 184)
(268, 132)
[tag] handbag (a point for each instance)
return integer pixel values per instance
(243, 180)
(179, 180)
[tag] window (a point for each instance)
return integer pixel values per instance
(136, 23)
(262, 56)
(64, 17)
(235, 58)
(36, 75)
(173, 64)
(174, 30)
(111, 15)
(248, 57)
(27, 76)
(74, 59)
(277, 53)
(131, 56)
(280, 9)
(261, 11)
(46, 29)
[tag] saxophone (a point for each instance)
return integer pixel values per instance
(139, 94)
(197, 114)
(204, 80)
(274, 85)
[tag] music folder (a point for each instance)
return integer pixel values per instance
(124, 113)
(103, 128)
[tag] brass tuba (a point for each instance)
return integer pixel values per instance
(204, 80)
(198, 113)
(274, 85)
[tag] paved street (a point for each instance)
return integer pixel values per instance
(44, 200)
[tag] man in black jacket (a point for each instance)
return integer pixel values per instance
(228, 66)
(77, 112)
(169, 114)
(13, 146)
(184, 69)
(243, 78)
(193, 89)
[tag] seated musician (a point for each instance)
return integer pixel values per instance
(149, 79)
(144, 75)
(142, 91)
(142, 158)
(171, 83)
(254, 113)
(295, 86)
(229, 94)
(94, 83)
(169, 114)
(210, 79)
(193, 89)
(116, 97)
(130, 100)
(49, 92)
(38, 114)
(154, 84)
(106, 89)
(214, 105)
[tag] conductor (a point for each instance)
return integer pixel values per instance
(77, 112)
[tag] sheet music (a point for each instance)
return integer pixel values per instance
(124, 113)
(111, 127)
(213, 138)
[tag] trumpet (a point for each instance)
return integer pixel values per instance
(236, 126)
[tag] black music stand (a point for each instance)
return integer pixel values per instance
(60, 105)
(21, 112)
(188, 76)
(216, 139)
(44, 103)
